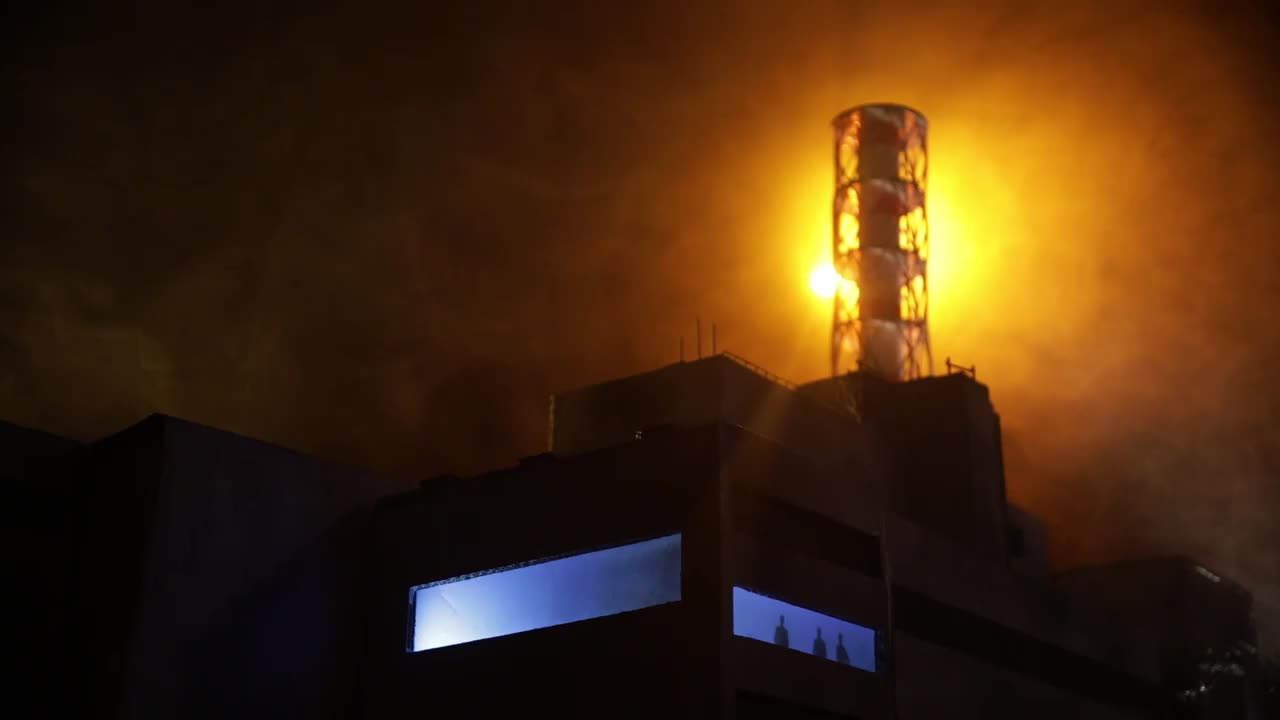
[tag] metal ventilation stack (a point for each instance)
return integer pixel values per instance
(880, 236)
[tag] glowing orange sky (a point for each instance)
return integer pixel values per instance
(385, 238)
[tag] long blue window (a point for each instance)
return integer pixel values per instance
(546, 593)
(763, 618)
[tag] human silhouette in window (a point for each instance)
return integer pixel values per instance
(842, 653)
(819, 645)
(780, 634)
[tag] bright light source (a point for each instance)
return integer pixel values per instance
(824, 280)
(545, 594)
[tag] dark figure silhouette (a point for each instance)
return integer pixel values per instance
(780, 634)
(819, 645)
(842, 653)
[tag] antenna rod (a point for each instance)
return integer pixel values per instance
(698, 322)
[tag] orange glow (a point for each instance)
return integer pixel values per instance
(436, 258)
(824, 281)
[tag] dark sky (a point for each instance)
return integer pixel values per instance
(384, 235)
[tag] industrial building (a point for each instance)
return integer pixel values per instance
(747, 506)
(702, 540)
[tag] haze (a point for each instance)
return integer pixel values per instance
(385, 236)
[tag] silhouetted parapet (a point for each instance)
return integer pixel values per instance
(713, 389)
(940, 437)
(1198, 621)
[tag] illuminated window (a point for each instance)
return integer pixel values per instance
(545, 593)
(773, 621)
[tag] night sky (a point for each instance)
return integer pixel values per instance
(385, 235)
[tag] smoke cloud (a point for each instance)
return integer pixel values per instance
(385, 236)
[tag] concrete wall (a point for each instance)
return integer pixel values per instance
(848, 494)
(715, 389)
(939, 438)
(20, 445)
(35, 517)
(760, 669)
(937, 682)
(645, 663)
(292, 646)
(115, 483)
(796, 685)
(799, 423)
(933, 567)
(963, 600)
(1190, 615)
(610, 413)
(185, 538)
(232, 517)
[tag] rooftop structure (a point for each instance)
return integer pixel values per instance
(699, 541)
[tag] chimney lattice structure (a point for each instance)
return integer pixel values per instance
(880, 243)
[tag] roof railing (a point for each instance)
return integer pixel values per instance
(759, 370)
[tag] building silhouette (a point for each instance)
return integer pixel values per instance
(683, 524)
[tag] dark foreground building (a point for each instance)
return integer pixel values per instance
(172, 570)
(700, 541)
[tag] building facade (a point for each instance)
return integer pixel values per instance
(700, 541)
